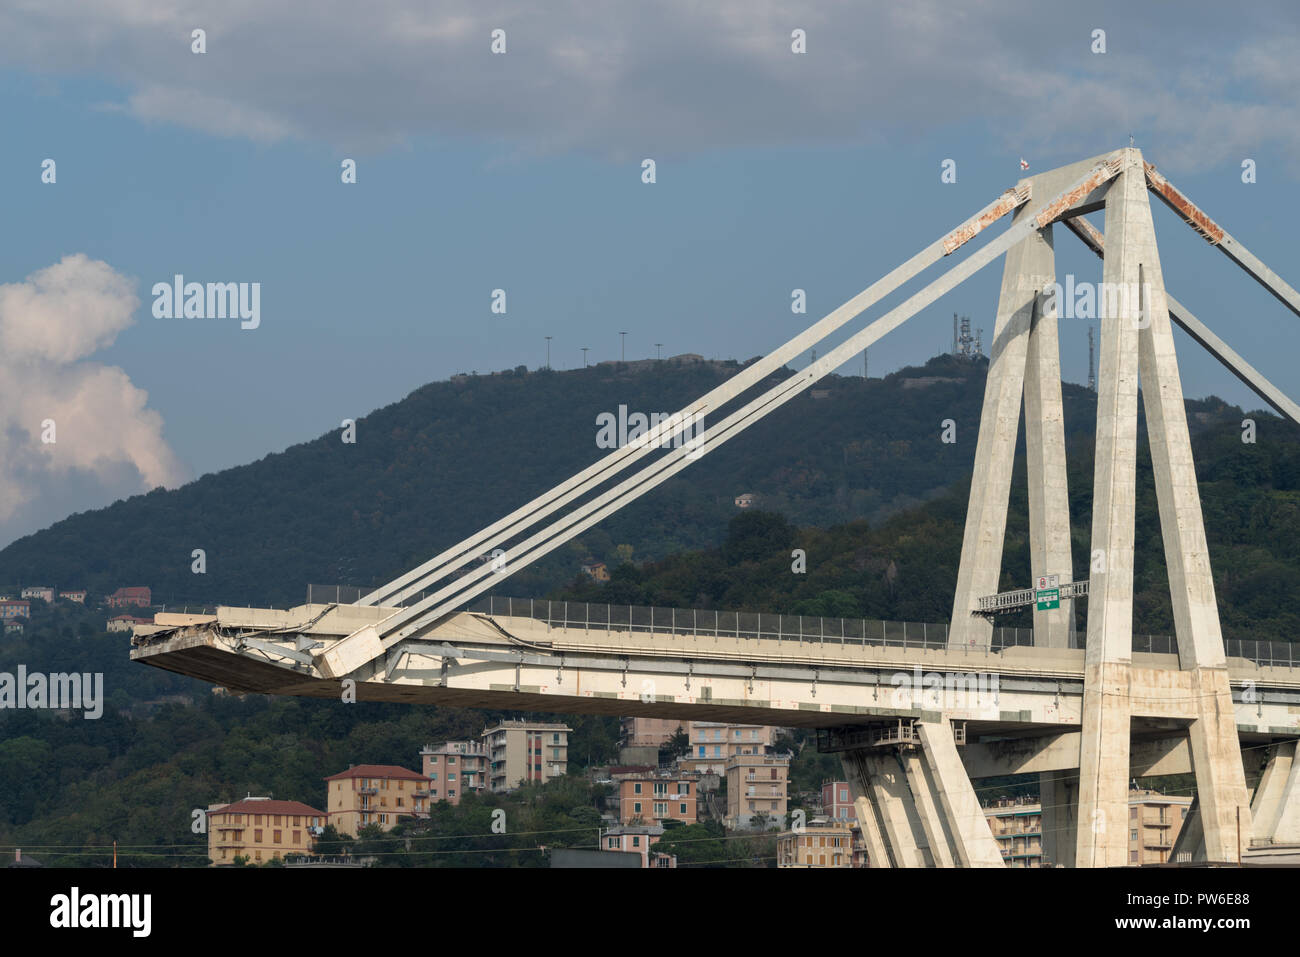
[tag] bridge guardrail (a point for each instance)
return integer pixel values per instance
(813, 629)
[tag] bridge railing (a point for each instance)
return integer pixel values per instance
(804, 629)
(810, 629)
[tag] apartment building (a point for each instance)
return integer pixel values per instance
(523, 752)
(713, 744)
(757, 787)
(837, 801)
(647, 798)
(1154, 822)
(1017, 825)
(43, 592)
(821, 843)
(259, 829)
(11, 608)
(649, 732)
(454, 769)
(382, 794)
(638, 839)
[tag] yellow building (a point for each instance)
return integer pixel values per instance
(756, 785)
(259, 829)
(821, 844)
(382, 794)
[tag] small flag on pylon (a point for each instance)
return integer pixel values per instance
(1023, 164)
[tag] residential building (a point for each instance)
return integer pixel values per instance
(746, 500)
(1154, 821)
(523, 752)
(137, 595)
(382, 794)
(757, 787)
(78, 595)
(1017, 825)
(821, 843)
(837, 801)
(454, 769)
(649, 732)
(43, 592)
(638, 839)
(259, 829)
(13, 627)
(125, 622)
(647, 798)
(12, 608)
(714, 743)
(595, 570)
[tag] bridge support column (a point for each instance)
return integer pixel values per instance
(1275, 812)
(925, 796)
(868, 821)
(1049, 496)
(1028, 265)
(898, 815)
(973, 840)
(1059, 798)
(1190, 845)
(1104, 745)
(1216, 750)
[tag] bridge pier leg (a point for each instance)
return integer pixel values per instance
(925, 795)
(973, 840)
(1104, 747)
(898, 814)
(1058, 793)
(868, 822)
(1216, 750)
(1027, 263)
(1275, 812)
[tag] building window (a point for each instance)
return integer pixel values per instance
(636, 841)
(636, 807)
(257, 837)
(683, 810)
(636, 787)
(451, 776)
(275, 837)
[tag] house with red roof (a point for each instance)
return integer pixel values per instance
(382, 794)
(137, 595)
(259, 829)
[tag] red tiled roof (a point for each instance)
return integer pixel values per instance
(256, 806)
(133, 591)
(377, 771)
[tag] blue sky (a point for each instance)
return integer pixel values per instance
(522, 172)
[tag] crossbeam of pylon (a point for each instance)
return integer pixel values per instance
(524, 517)
(344, 656)
(1180, 314)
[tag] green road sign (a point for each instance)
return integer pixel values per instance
(1048, 598)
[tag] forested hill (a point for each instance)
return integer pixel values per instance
(454, 456)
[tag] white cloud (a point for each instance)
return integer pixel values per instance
(678, 75)
(102, 427)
